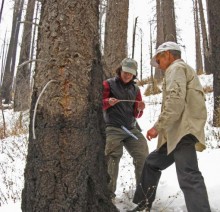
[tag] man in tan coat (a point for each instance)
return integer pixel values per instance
(180, 127)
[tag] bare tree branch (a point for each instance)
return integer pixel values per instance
(30, 61)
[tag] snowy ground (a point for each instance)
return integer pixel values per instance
(169, 196)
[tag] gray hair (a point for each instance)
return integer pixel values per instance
(175, 53)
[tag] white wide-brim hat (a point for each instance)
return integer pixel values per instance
(162, 48)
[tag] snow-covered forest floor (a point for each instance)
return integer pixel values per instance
(13, 150)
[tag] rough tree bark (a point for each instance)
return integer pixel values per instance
(22, 83)
(115, 45)
(65, 168)
(214, 29)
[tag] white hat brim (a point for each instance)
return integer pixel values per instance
(153, 62)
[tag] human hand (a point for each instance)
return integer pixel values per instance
(141, 106)
(151, 133)
(113, 101)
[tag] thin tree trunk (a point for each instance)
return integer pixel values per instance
(102, 17)
(18, 24)
(160, 35)
(141, 57)
(11, 56)
(4, 53)
(34, 36)
(66, 168)
(133, 37)
(22, 85)
(206, 49)
(199, 65)
(151, 54)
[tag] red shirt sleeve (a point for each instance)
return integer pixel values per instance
(105, 95)
(137, 114)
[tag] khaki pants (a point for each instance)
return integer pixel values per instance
(116, 139)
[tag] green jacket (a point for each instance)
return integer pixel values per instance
(183, 107)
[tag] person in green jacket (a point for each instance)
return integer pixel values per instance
(122, 104)
(180, 131)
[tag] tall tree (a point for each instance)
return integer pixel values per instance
(3, 57)
(205, 41)
(169, 23)
(214, 28)
(141, 55)
(65, 168)
(160, 35)
(166, 26)
(160, 32)
(199, 64)
(12, 50)
(134, 37)
(22, 85)
(115, 45)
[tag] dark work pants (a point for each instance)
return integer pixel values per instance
(190, 178)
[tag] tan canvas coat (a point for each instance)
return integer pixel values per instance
(183, 107)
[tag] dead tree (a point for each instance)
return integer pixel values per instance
(22, 80)
(199, 63)
(115, 45)
(12, 52)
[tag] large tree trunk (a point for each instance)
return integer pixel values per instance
(22, 85)
(206, 49)
(66, 168)
(199, 65)
(115, 46)
(214, 29)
